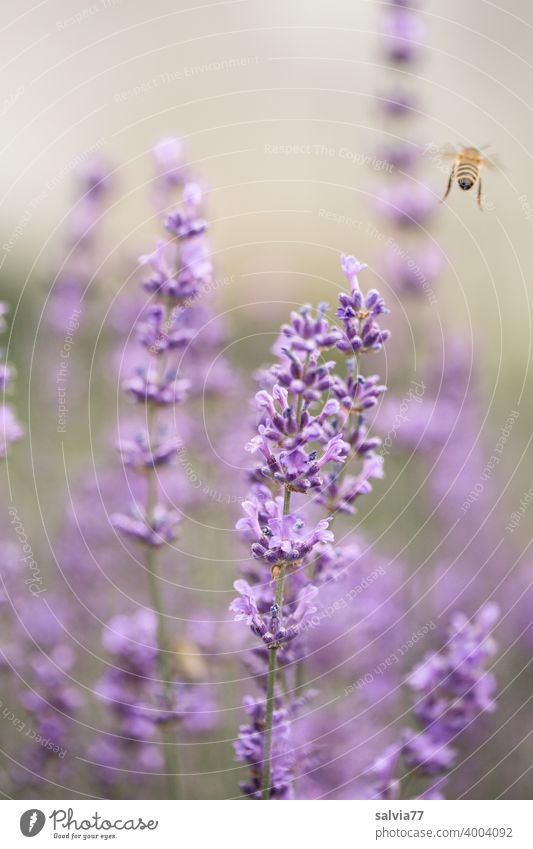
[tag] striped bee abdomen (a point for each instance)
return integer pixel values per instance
(466, 175)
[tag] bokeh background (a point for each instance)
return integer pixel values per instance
(278, 109)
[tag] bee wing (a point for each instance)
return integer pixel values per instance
(493, 163)
(447, 152)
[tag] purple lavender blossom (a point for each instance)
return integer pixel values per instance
(310, 333)
(160, 333)
(180, 268)
(156, 384)
(132, 640)
(306, 438)
(10, 429)
(138, 454)
(95, 182)
(277, 537)
(155, 529)
(270, 629)
(6, 376)
(399, 102)
(412, 272)
(147, 386)
(141, 704)
(171, 171)
(407, 204)
(340, 493)
(51, 703)
(403, 34)
(359, 313)
(383, 773)
(400, 154)
(249, 749)
(134, 698)
(451, 688)
(94, 185)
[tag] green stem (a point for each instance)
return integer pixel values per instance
(267, 754)
(300, 401)
(165, 674)
(299, 678)
(286, 501)
(164, 664)
(271, 676)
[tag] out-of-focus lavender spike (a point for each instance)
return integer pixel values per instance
(175, 337)
(403, 34)
(451, 689)
(79, 253)
(10, 428)
(171, 171)
(140, 702)
(409, 268)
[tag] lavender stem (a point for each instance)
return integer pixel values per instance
(271, 675)
(163, 643)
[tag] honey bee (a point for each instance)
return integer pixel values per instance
(466, 170)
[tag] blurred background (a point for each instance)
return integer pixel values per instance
(284, 109)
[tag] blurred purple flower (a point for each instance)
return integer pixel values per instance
(399, 102)
(171, 171)
(138, 454)
(403, 34)
(249, 749)
(412, 272)
(149, 387)
(10, 429)
(451, 689)
(406, 203)
(157, 529)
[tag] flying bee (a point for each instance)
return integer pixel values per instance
(466, 170)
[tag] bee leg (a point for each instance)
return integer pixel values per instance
(450, 181)
(479, 195)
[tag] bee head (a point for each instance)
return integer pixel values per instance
(465, 184)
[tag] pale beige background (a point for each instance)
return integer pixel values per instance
(117, 75)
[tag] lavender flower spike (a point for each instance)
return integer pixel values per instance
(452, 688)
(311, 424)
(178, 269)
